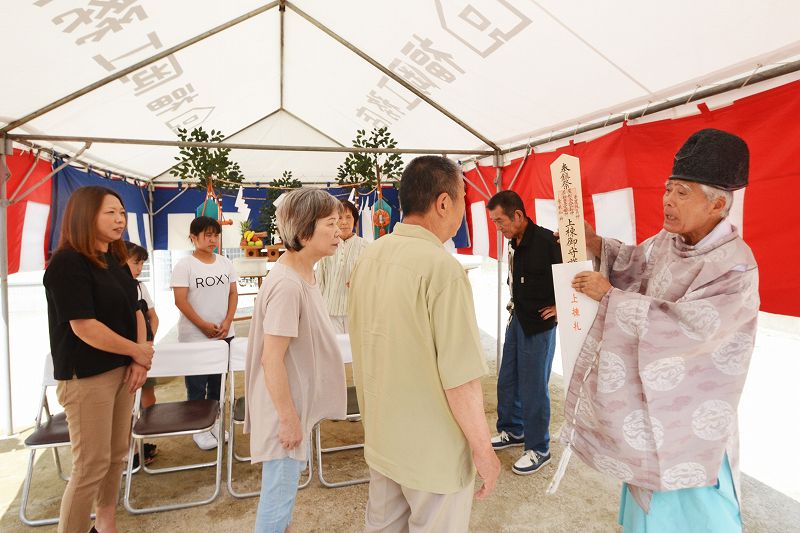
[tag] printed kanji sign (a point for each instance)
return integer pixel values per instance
(575, 311)
(566, 173)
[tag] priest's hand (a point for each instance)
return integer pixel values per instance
(594, 243)
(592, 284)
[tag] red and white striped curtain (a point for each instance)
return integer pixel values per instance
(623, 175)
(28, 220)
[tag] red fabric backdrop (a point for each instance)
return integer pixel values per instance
(19, 164)
(640, 157)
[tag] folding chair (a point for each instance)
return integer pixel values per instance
(236, 408)
(52, 433)
(180, 418)
(353, 414)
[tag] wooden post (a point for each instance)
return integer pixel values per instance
(576, 311)
(566, 174)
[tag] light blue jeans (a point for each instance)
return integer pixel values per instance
(279, 480)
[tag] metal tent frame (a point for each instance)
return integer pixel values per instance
(7, 138)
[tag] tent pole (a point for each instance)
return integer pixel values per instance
(151, 247)
(347, 44)
(313, 127)
(18, 198)
(27, 174)
(498, 184)
(76, 161)
(6, 414)
(477, 189)
(169, 202)
(244, 146)
(229, 137)
(133, 68)
(282, 12)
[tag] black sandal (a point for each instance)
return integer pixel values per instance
(150, 451)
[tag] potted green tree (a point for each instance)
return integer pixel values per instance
(207, 168)
(372, 170)
(266, 215)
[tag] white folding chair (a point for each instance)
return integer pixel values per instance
(236, 408)
(51, 432)
(353, 414)
(180, 418)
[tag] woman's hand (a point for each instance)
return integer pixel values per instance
(142, 354)
(210, 330)
(289, 433)
(592, 284)
(135, 376)
(224, 328)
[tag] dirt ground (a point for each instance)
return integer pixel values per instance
(586, 501)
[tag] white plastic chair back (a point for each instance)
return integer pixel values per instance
(343, 342)
(247, 266)
(238, 354)
(48, 380)
(190, 359)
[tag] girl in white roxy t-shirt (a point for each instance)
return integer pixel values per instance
(204, 286)
(210, 295)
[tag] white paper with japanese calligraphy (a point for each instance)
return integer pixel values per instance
(576, 313)
(566, 173)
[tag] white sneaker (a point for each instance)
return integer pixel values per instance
(530, 462)
(505, 440)
(205, 440)
(216, 436)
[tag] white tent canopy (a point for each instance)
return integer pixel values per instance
(458, 77)
(508, 70)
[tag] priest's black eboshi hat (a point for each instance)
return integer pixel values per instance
(715, 158)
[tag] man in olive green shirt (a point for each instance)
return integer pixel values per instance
(418, 361)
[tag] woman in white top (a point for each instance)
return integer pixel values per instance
(294, 371)
(333, 272)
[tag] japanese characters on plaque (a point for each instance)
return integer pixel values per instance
(162, 86)
(429, 66)
(576, 313)
(566, 174)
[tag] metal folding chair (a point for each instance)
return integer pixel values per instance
(236, 408)
(51, 432)
(353, 414)
(180, 418)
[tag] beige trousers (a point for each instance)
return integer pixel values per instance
(392, 508)
(98, 412)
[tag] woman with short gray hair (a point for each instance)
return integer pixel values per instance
(294, 372)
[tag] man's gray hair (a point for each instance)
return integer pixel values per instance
(424, 179)
(712, 193)
(298, 212)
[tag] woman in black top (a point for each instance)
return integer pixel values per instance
(100, 353)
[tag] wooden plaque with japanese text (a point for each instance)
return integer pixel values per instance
(566, 173)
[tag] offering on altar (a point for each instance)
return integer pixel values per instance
(252, 241)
